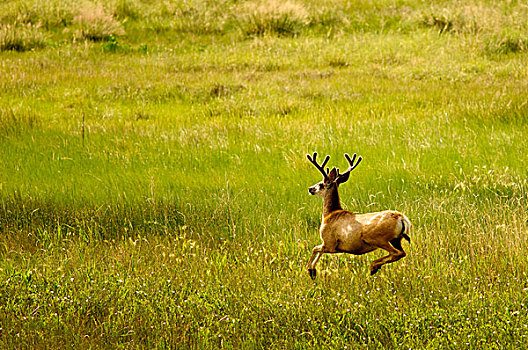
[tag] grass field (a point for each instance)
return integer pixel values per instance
(153, 178)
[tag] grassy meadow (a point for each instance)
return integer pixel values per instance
(153, 177)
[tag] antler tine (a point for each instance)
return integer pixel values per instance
(351, 161)
(344, 176)
(313, 160)
(325, 161)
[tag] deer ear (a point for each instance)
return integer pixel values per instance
(332, 174)
(342, 178)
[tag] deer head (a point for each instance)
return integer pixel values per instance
(331, 178)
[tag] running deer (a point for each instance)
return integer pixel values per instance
(345, 232)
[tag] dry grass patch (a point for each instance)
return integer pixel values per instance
(95, 23)
(284, 18)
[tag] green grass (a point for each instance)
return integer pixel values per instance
(153, 178)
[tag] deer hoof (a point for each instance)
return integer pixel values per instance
(313, 273)
(374, 270)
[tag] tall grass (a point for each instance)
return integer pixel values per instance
(498, 27)
(153, 186)
(21, 38)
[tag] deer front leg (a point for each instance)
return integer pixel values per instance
(317, 251)
(394, 255)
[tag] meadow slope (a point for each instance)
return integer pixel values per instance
(153, 178)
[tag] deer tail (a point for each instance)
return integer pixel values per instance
(406, 226)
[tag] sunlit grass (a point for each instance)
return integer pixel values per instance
(153, 184)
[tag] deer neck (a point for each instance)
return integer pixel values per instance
(331, 202)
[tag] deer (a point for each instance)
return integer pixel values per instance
(343, 231)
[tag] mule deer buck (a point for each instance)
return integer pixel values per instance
(345, 232)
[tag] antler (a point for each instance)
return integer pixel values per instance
(313, 160)
(344, 177)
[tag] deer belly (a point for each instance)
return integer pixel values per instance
(349, 241)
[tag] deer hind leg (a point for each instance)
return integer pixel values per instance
(395, 253)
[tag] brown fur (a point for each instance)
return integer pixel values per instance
(345, 232)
